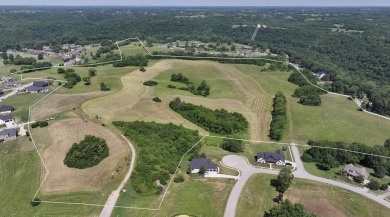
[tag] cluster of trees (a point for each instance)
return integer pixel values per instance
(288, 209)
(88, 153)
(217, 121)
(136, 60)
(279, 117)
(17, 60)
(160, 148)
(232, 145)
(307, 93)
(71, 77)
(150, 83)
(91, 73)
(40, 124)
(36, 67)
(203, 89)
(327, 158)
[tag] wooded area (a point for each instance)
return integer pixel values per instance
(279, 117)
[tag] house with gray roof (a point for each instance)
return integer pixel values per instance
(8, 135)
(352, 171)
(40, 83)
(276, 157)
(34, 89)
(6, 119)
(198, 163)
(7, 79)
(6, 109)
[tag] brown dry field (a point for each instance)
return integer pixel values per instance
(56, 103)
(134, 101)
(56, 140)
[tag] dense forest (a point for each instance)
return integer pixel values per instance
(159, 148)
(327, 158)
(216, 121)
(350, 45)
(88, 153)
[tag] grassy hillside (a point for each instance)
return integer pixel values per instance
(320, 199)
(337, 119)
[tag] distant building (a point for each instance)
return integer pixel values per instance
(40, 83)
(276, 157)
(12, 84)
(197, 43)
(8, 135)
(198, 163)
(353, 171)
(7, 79)
(35, 89)
(6, 119)
(6, 109)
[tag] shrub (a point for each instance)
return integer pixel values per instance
(60, 70)
(179, 179)
(171, 86)
(156, 99)
(142, 69)
(103, 87)
(35, 202)
(43, 123)
(91, 72)
(88, 153)
(374, 185)
(384, 187)
(359, 179)
(312, 100)
(150, 83)
(34, 125)
(232, 145)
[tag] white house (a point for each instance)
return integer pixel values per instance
(198, 163)
(6, 109)
(6, 119)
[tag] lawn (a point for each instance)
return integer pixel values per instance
(21, 103)
(196, 72)
(337, 119)
(251, 150)
(320, 199)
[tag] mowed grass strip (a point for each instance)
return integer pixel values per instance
(337, 119)
(321, 199)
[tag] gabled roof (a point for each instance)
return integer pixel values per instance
(6, 108)
(40, 83)
(6, 117)
(34, 89)
(9, 132)
(271, 157)
(197, 163)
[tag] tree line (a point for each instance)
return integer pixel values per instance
(328, 158)
(217, 121)
(279, 117)
(160, 148)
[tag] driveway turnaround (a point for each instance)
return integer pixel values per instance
(248, 170)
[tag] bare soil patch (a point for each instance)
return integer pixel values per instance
(56, 140)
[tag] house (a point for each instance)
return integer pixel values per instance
(6, 109)
(40, 83)
(352, 171)
(197, 43)
(197, 163)
(7, 79)
(70, 63)
(276, 157)
(6, 119)
(12, 84)
(34, 89)
(8, 135)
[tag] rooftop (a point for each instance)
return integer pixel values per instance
(197, 163)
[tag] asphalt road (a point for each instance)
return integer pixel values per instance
(111, 201)
(248, 170)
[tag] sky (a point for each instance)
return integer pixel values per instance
(201, 2)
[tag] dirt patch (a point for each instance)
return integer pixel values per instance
(56, 103)
(55, 141)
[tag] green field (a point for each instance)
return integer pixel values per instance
(196, 73)
(21, 103)
(320, 199)
(337, 119)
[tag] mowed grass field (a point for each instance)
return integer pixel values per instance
(337, 119)
(21, 103)
(321, 199)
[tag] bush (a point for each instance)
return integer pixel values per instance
(88, 153)
(91, 72)
(232, 145)
(60, 70)
(171, 86)
(312, 100)
(384, 187)
(34, 125)
(103, 87)
(156, 99)
(179, 179)
(142, 69)
(43, 123)
(150, 83)
(374, 185)
(35, 202)
(359, 179)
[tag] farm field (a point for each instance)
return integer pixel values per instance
(337, 118)
(55, 141)
(320, 199)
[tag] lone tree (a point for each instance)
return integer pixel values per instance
(35, 202)
(284, 180)
(91, 72)
(287, 209)
(202, 171)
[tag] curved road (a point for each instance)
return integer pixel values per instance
(111, 201)
(248, 170)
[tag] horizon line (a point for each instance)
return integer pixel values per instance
(189, 6)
